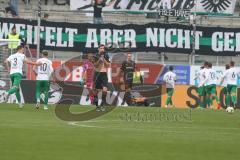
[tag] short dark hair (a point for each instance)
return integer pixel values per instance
(101, 45)
(170, 68)
(46, 15)
(45, 53)
(227, 66)
(209, 64)
(14, 27)
(232, 63)
(205, 63)
(19, 47)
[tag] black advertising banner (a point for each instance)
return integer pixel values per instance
(152, 37)
(74, 93)
(60, 91)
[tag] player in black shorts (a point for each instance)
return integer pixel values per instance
(101, 64)
(128, 69)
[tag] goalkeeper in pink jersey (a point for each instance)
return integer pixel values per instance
(86, 77)
(87, 72)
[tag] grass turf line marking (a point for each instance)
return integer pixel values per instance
(83, 125)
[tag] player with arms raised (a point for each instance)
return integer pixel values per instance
(44, 72)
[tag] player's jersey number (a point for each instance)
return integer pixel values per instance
(15, 62)
(233, 75)
(43, 67)
(213, 76)
(169, 78)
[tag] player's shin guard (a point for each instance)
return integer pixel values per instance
(95, 100)
(168, 101)
(201, 103)
(211, 101)
(234, 100)
(46, 98)
(228, 99)
(127, 98)
(171, 103)
(104, 98)
(217, 99)
(225, 99)
(208, 101)
(18, 96)
(38, 94)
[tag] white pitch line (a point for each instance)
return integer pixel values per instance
(196, 128)
(83, 125)
(144, 129)
(94, 121)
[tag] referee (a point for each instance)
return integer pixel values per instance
(127, 70)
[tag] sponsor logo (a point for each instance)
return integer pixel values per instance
(55, 94)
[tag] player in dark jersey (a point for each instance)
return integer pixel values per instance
(128, 69)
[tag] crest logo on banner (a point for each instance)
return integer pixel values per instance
(55, 94)
(216, 6)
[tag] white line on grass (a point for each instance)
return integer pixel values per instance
(155, 129)
(172, 129)
(95, 121)
(83, 125)
(196, 128)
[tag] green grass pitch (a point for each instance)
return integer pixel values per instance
(30, 134)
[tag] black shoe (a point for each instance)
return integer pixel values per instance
(95, 101)
(87, 98)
